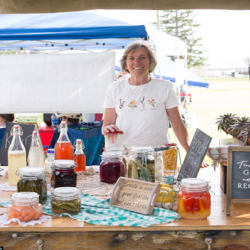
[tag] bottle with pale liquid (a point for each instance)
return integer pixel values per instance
(16, 155)
(79, 156)
(36, 155)
(63, 148)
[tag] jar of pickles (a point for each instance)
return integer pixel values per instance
(194, 200)
(112, 167)
(142, 164)
(66, 200)
(63, 174)
(25, 207)
(33, 179)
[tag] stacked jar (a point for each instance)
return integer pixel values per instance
(33, 179)
(194, 200)
(112, 166)
(142, 164)
(63, 174)
(25, 207)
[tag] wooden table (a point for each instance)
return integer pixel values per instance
(68, 234)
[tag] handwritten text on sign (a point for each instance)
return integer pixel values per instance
(245, 166)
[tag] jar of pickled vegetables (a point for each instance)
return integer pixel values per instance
(66, 200)
(141, 164)
(112, 167)
(25, 207)
(63, 174)
(33, 179)
(194, 200)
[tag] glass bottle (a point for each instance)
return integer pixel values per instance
(79, 156)
(159, 171)
(194, 200)
(24, 206)
(36, 155)
(141, 164)
(33, 179)
(48, 163)
(16, 155)
(63, 148)
(111, 167)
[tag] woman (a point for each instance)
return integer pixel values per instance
(4, 118)
(141, 106)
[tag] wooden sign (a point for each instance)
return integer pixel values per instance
(195, 155)
(134, 195)
(26, 139)
(238, 175)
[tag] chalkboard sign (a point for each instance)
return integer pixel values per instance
(26, 139)
(238, 176)
(195, 155)
(135, 195)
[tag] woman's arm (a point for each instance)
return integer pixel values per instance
(179, 127)
(109, 121)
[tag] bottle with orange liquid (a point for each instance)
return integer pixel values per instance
(63, 148)
(79, 156)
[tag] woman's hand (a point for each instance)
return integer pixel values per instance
(109, 128)
(204, 165)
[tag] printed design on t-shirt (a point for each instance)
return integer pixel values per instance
(133, 104)
(143, 102)
(121, 106)
(152, 102)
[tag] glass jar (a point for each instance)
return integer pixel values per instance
(142, 164)
(66, 200)
(24, 206)
(111, 167)
(194, 200)
(63, 174)
(159, 169)
(33, 179)
(113, 139)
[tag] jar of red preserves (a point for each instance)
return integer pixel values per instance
(194, 200)
(112, 167)
(63, 174)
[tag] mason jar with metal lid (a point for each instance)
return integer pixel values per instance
(24, 206)
(66, 200)
(112, 167)
(194, 200)
(33, 179)
(141, 164)
(63, 174)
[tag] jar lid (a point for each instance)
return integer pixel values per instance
(64, 163)
(121, 149)
(31, 171)
(141, 149)
(194, 184)
(65, 192)
(25, 197)
(112, 153)
(114, 132)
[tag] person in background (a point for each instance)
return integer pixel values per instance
(4, 118)
(142, 106)
(72, 120)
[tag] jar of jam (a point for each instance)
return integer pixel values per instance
(33, 179)
(194, 200)
(63, 174)
(66, 200)
(24, 206)
(141, 164)
(111, 167)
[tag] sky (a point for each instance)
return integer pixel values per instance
(225, 33)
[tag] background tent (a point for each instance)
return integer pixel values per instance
(27, 6)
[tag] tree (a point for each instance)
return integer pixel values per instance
(181, 23)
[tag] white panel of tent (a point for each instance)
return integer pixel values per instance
(55, 83)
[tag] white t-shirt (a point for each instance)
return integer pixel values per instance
(141, 110)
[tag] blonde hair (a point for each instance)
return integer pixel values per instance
(133, 47)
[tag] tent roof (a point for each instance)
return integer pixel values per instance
(43, 31)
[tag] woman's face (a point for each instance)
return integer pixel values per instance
(138, 62)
